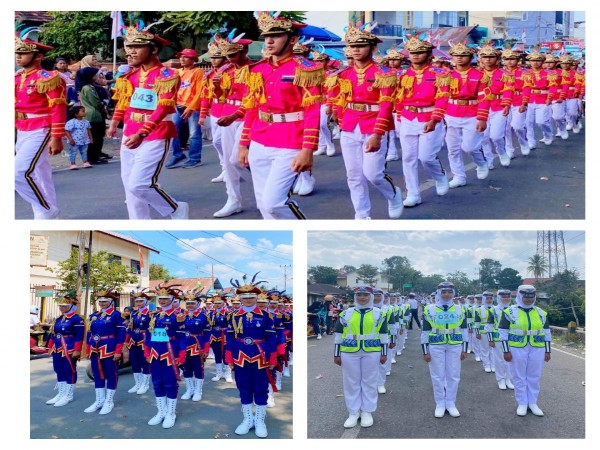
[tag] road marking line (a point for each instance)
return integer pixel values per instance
(351, 433)
(568, 353)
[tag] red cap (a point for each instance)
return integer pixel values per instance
(189, 52)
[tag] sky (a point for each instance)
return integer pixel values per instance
(437, 252)
(230, 254)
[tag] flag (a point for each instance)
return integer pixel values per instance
(117, 24)
(141, 259)
(523, 36)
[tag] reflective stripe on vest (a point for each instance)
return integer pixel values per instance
(361, 332)
(449, 333)
(526, 327)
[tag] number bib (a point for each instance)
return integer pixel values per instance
(159, 335)
(446, 317)
(143, 98)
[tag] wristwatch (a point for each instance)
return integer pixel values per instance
(143, 135)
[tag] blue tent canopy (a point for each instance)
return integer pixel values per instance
(319, 34)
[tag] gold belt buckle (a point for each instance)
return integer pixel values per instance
(360, 107)
(413, 109)
(265, 117)
(21, 115)
(137, 117)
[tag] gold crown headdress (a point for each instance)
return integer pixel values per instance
(487, 50)
(461, 49)
(361, 35)
(393, 53)
(508, 53)
(270, 22)
(232, 44)
(138, 34)
(247, 288)
(416, 45)
(303, 46)
(535, 56)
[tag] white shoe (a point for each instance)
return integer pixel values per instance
(381, 389)
(482, 172)
(491, 165)
(270, 398)
(478, 359)
(564, 135)
(455, 182)
(145, 384)
(286, 371)
(161, 405)
(547, 141)
(100, 396)
(502, 385)
(227, 373)
(260, 428)
(522, 410)
(504, 160)
(307, 185)
(558, 133)
(291, 361)
(387, 374)
(189, 389)
(182, 212)
(219, 374)
(525, 150)
(366, 419)
(411, 201)
(509, 384)
(248, 422)
(511, 154)
(330, 150)
(441, 186)
(394, 359)
(296, 187)
(535, 409)
(577, 128)
(170, 416)
(49, 214)
(108, 405)
(363, 218)
(493, 370)
(320, 151)
(320, 336)
(487, 369)
(439, 411)
(219, 179)
(231, 207)
(389, 158)
(198, 383)
(453, 411)
(138, 382)
(351, 421)
(395, 206)
(67, 396)
(60, 386)
(569, 127)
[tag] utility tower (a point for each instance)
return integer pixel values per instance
(551, 245)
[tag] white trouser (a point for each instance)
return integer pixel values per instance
(33, 172)
(572, 111)
(418, 146)
(540, 115)
(359, 375)
(501, 366)
(400, 341)
(215, 130)
(364, 167)
(140, 169)
(486, 355)
(462, 136)
(272, 178)
(381, 374)
(559, 114)
(526, 369)
(508, 134)
(444, 369)
(517, 123)
(392, 150)
(495, 134)
(391, 355)
(230, 137)
(476, 343)
(325, 138)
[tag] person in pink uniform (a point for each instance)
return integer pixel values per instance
(281, 126)
(499, 90)
(146, 100)
(466, 116)
(422, 98)
(571, 91)
(543, 91)
(40, 116)
(558, 106)
(394, 59)
(364, 94)
(521, 95)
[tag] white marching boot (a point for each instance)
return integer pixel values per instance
(61, 388)
(198, 383)
(278, 376)
(145, 384)
(138, 383)
(291, 361)
(259, 421)
(67, 395)
(189, 386)
(108, 402)
(228, 378)
(170, 416)
(100, 396)
(161, 405)
(219, 374)
(286, 370)
(270, 398)
(248, 422)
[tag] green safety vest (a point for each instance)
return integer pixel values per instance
(445, 325)
(484, 313)
(361, 331)
(526, 326)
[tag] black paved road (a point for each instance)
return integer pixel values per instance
(406, 410)
(548, 184)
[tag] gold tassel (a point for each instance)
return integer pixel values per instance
(331, 81)
(386, 98)
(225, 82)
(48, 84)
(385, 81)
(166, 86)
(309, 100)
(256, 88)
(486, 78)
(167, 102)
(241, 74)
(443, 80)
(56, 101)
(507, 78)
(441, 94)
(123, 93)
(308, 78)
(151, 324)
(454, 86)
(400, 95)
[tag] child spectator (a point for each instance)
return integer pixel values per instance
(79, 134)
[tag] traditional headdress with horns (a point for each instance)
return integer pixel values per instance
(168, 291)
(302, 47)
(416, 45)
(393, 53)
(68, 298)
(25, 45)
(107, 293)
(461, 49)
(247, 288)
(319, 54)
(270, 22)
(361, 35)
(138, 35)
(232, 44)
(535, 56)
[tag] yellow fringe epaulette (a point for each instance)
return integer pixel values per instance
(168, 81)
(486, 79)
(345, 92)
(167, 102)
(385, 80)
(308, 74)
(151, 324)
(552, 79)
(454, 85)
(225, 84)
(308, 99)
(48, 82)
(256, 90)
(241, 74)
(508, 78)
(57, 101)
(443, 80)
(386, 98)
(123, 92)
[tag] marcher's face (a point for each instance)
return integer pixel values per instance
(262, 305)
(217, 62)
(249, 301)
(139, 303)
(489, 300)
(395, 63)
(103, 303)
(511, 63)
(191, 306)
(277, 43)
(489, 62)
(447, 294)
(361, 52)
(235, 58)
(164, 301)
(64, 308)
(536, 65)
(24, 59)
(139, 55)
(362, 298)
(419, 58)
(528, 301)
(461, 60)
(377, 298)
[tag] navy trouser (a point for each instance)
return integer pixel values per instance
(253, 383)
(63, 368)
(138, 362)
(193, 367)
(105, 372)
(216, 348)
(164, 379)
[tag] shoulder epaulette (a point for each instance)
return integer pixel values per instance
(307, 73)
(166, 81)
(48, 81)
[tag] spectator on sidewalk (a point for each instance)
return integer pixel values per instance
(79, 134)
(95, 112)
(313, 315)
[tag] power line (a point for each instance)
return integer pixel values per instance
(250, 247)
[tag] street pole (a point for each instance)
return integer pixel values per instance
(81, 254)
(285, 266)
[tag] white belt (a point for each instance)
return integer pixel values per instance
(527, 332)
(233, 102)
(445, 331)
(363, 107)
(281, 118)
(539, 91)
(24, 116)
(417, 109)
(462, 102)
(362, 337)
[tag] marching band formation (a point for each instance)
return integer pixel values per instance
(511, 339)
(269, 118)
(251, 341)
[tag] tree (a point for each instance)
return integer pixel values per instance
(103, 271)
(368, 274)
(348, 269)
(537, 266)
(509, 279)
(159, 272)
(461, 282)
(565, 294)
(323, 274)
(428, 284)
(488, 272)
(399, 272)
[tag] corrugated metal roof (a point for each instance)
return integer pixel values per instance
(33, 16)
(188, 284)
(127, 238)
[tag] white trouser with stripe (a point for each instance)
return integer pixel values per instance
(517, 122)
(234, 173)
(540, 115)
(140, 168)
(272, 178)
(502, 367)
(559, 114)
(495, 135)
(418, 146)
(359, 375)
(325, 138)
(444, 369)
(526, 369)
(572, 111)
(33, 172)
(462, 136)
(215, 130)
(362, 168)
